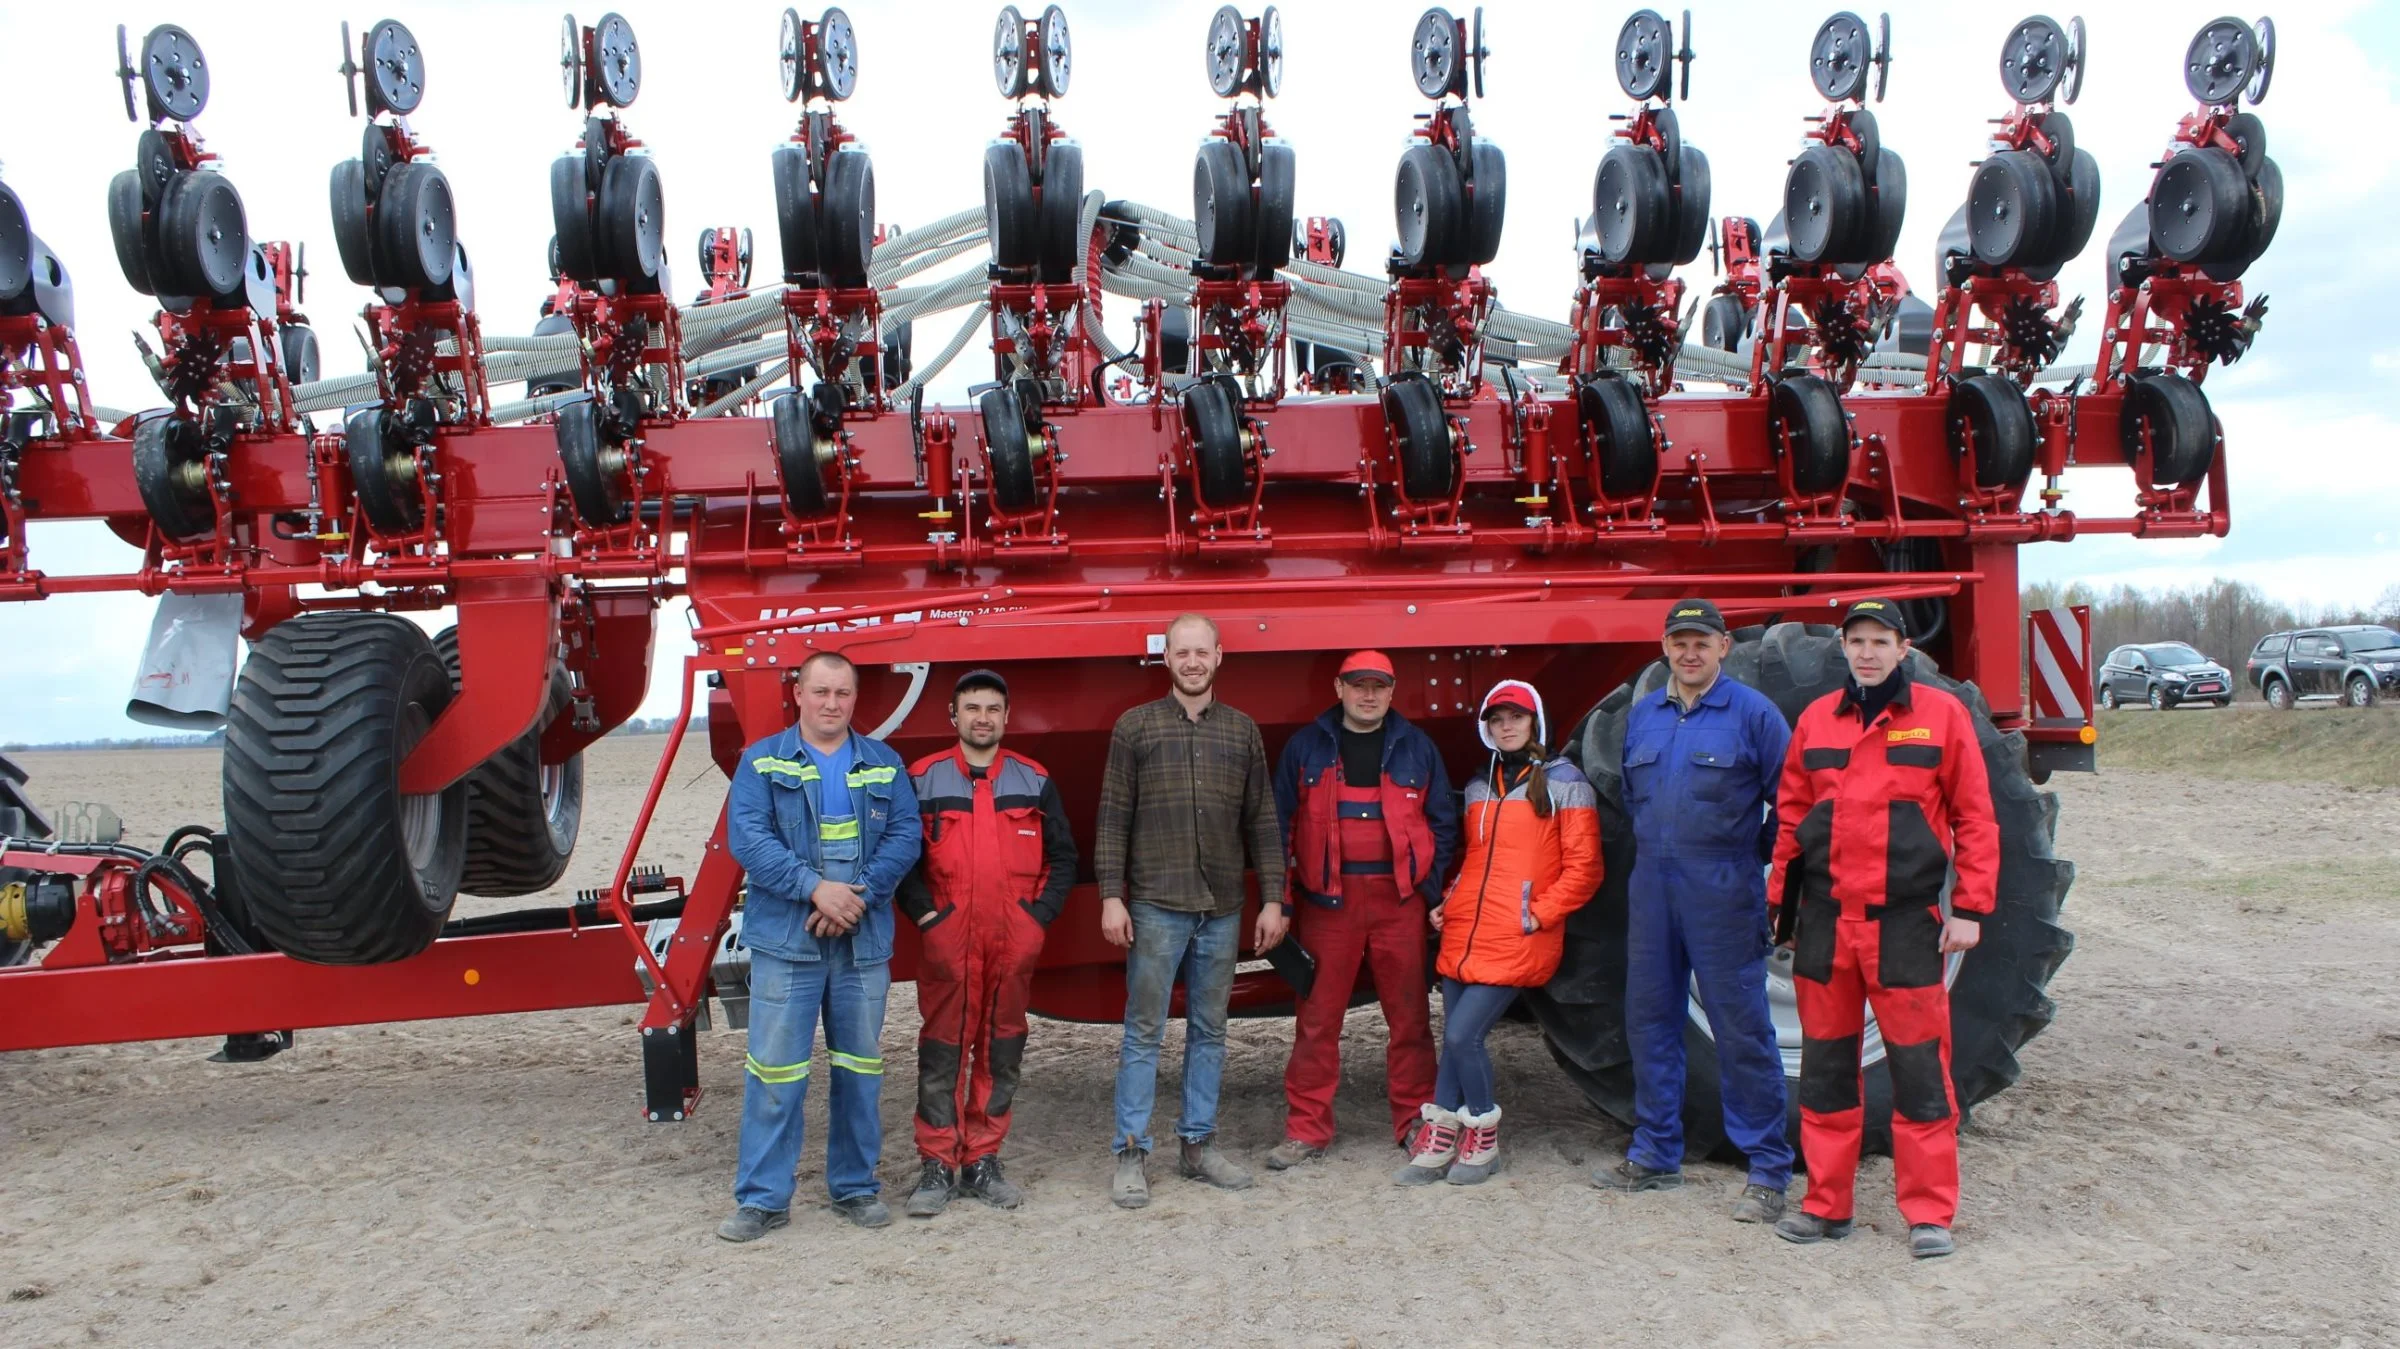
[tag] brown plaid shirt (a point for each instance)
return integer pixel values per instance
(1178, 802)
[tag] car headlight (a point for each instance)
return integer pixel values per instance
(2387, 665)
(2173, 678)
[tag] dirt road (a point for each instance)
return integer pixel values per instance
(2204, 1151)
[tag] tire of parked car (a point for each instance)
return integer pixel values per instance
(2158, 699)
(2278, 694)
(1998, 1000)
(2108, 699)
(2359, 691)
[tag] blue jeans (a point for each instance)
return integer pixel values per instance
(1704, 920)
(786, 999)
(1469, 1011)
(1201, 948)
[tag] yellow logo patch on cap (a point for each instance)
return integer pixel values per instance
(1912, 733)
(1868, 604)
(1687, 613)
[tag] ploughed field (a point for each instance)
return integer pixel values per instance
(2205, 1147)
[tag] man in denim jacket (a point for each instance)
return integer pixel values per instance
(824, 821)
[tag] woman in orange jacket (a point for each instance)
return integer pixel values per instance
(1532, 857)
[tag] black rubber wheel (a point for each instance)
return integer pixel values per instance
(169, 455)
(1429, 203)
(2278, 695)
(1008, 214)
(347, 192)
(1008, 443)
(2082, 211)
(302, 361)
(2132, 253)
(126, 231)
(632, 219)
(1633, 210)
(383, 472)
(2174, 413)
(1994, 410)
(2061, 130)
(2249, 135)
(1278, 185)
(1691, 207)
(1221, 205)
(1890, 208)
(2270, 208)
(1824, 204)
(416, 227)
(1870, 143)
(16, 246)
(1998, 999)
(847, 220)
(1487, 205)
(2358, 691)
(899, 353)
(203, 238)
(1428, 465)
(571, 219)
(796, 464)
(795, 213)
(1723, 324)
(2200, 206)
(1808, 413)
(1063, 242)
(337, 867)
(1618, 441)
(522, 815)
(594, 469)
(1212, 411)
(154, 163)
(1670, 141)
(2158, 699)
(375, 158)
(2012, 209)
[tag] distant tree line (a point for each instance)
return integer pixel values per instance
(2223, 620)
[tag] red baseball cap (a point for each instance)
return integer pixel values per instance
(1512, 693)
(1368, 664)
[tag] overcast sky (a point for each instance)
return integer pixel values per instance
(2315, 473)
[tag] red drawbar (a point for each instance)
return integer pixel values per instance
(1915, 1022)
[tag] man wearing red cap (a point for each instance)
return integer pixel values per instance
(1369, 827)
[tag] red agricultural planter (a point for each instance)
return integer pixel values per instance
(1504, 498)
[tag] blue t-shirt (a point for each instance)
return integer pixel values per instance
(833, 779)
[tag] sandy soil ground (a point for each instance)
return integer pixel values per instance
(2203, 1151)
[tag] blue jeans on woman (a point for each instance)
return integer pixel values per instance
(1201, 948)
(787, 998)
(1469, 1011)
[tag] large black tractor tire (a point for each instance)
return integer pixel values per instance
(338, 867)
(522, 817)
(1998, 1000)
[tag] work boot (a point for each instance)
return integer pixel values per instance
(1807, 1229)
(1202, 1161)
(1633, 1177)
(749, 1224)
(1132, 1186)
(935, 1184)
(1927, 1241)
(982, 1178)
(1436, 1149)
(1758, 1204)
(1292, 1152)
(864, 1210)
(1478, 1148)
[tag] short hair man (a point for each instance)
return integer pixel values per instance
(1369, 825)
(1893, 769)
(823, 821)
(1701, 761)
(1184, 796)
(999, 860)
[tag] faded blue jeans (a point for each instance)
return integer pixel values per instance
(787, 998)
(1168, 942)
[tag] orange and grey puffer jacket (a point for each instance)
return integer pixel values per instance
(1504, 921)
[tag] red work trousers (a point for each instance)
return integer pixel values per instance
(973, 983)
(1376, 926)
(1893, 963)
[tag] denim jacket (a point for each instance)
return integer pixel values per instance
(771, 829)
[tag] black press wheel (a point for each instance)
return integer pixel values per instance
(1825, 204)
(1693, 190)
(348, 871)
(1617, 438)
(795, 213)
(570, 219)
(416, 227)
(1723, 324)
(1890, 208)
(595, 468)
(2012, 209)
(1212, 411)
(1997, 991)
(847, 236)
(1008, 214)
(2358, 691)
(1429, 203)
(2279, 695)
(1278, 182)
(1221, 205)
(1993, 412)
(1009, 444)
(126, 232)
(1487, 207)
(1063, 241)
(797, 466)
(1810, 427)
(632, 219)
(1633, 210)
(2172, 414)
(170, 469)
(522, 814)
(383, 471)
(2200, 206)
(203, 238)
(1421, 430)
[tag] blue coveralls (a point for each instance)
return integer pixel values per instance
(1700, 788)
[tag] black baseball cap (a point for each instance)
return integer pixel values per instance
(979, 679)
(1694, 616)
(1886, 612)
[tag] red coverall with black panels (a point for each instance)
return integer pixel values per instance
(1875, 816)
(999, 860)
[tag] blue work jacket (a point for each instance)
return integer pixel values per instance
(1702, 783)
(771, 828)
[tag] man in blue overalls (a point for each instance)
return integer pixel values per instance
(1702, 759)
(825, 823)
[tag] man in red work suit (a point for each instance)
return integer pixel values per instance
(999, 860)
(1884, 794)
(1370, 827)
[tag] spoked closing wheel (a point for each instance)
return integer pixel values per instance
(1421, 438)
(170, 469)
(1011, 445)
(1617, 438)
(1212, 412)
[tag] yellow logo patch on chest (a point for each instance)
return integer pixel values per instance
(1912, 733)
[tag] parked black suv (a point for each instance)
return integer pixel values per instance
(2357, 664)
(2164, 675)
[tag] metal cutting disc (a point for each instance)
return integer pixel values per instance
(1227, 36)
(1838, 57)
(2222, 58)
(174, 73)
(1057, 52)
(2033, 59)
(1270, 52)
(616, 60)
(1433, 53)
(837, 48)
(395, 68)
(1642, 55)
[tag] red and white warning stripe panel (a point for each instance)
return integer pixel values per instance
(2060, 643)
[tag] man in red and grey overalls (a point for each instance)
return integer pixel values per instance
(999, 860)
(1370, 827)
(1884, 795)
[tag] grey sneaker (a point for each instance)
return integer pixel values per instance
(1807, 1229)
(1292, 1152)
(1633, 1177)
(1758, 1204)
(982, 1179)
(1132, 1186)
(749, 1224)
(864, 1210)
(1927, 1241)
(1202, 1161)
(935, 1185)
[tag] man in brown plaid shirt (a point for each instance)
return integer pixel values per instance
(1185, 791)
